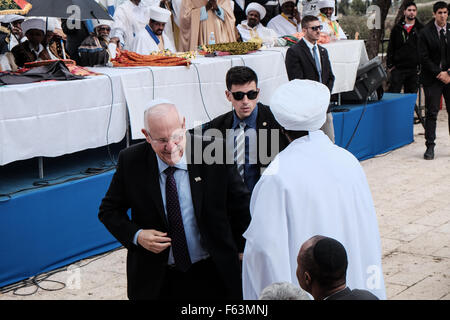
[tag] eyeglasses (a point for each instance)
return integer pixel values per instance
(176, 138)
(103, 28)
(316, 28)
(239, 95)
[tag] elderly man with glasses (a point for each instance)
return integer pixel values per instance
(94, 50)
(184, 231)
(308, 60)
(252, 134)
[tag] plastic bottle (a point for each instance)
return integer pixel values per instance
(212, 38)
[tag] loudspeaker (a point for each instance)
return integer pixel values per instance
(368, 84)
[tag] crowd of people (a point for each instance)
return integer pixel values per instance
(259, 202)
(146, 26)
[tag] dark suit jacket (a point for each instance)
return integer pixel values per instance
(300, 64)
(23, 54)
(430, 53)
(355, 294)
(221, 206)
(265, 120)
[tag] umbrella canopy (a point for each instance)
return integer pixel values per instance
(14, 7)
(68, 9)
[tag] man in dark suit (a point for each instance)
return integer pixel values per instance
(321, 271)
(308, 60)
(263, 138)
(184, 235)
(434, 54)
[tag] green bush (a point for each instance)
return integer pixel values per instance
(352, 24)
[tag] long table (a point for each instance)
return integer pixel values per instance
(50, 119)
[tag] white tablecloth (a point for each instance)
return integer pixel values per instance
(55, 118)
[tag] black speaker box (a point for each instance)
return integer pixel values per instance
(368, 84)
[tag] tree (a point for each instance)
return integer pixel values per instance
(344, 7)
(358, 7)
(377, 31)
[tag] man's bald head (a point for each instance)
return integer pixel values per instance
(165, 131)
(322, 260)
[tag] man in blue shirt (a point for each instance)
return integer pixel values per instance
(263, 138)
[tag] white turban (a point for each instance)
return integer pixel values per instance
(33, 24)
(97, 23)
(8, 18)
(160, 14)
(256, 7)
(284, 1)
(325, 4)
(300, 105)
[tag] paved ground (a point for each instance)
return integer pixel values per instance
(413, 206)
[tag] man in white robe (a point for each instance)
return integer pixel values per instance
(153, 37)
(328, 20)
(252, 29)
(312, 187)
(288, 22)
(129, 18)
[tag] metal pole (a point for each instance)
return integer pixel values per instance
(128, 127)
(41, 167)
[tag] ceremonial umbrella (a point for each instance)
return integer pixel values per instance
(14, 6)
(68, 9)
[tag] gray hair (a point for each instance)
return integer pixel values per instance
(283, 291)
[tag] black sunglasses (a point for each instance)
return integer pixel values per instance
(320, 27)
(239, 95)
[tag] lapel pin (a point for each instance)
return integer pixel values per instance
(197, 179)
(264, 123)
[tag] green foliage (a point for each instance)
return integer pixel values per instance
(358, 6)
(352, 24)
(425, 13)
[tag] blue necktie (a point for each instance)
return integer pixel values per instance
(316, 59)
(176, 227)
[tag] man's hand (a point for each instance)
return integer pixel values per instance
(296, 15)
(17, 31)
(444, 77)
(116, 40)
(153, 240)
(212, 5)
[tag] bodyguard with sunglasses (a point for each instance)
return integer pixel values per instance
(252, 150)
(308, 60)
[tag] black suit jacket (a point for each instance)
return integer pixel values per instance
(221, 206)
(300, 64)
(430, 53)
(355, 294)
(265, 120)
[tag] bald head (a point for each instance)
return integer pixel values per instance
(165, 132)
(322, 262)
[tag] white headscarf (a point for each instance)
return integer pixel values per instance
(300, 105)
(256, 7)
(325, 4)
(34, 23)
(284, 1)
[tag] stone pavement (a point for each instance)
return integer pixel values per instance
(412, 199)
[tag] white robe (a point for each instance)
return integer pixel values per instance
(313, 187)
(283, 27)
(247, 33)
(328, 29)
(129, 20)
(144, 43)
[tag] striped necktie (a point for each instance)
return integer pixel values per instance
(239, 150)
(316, 59)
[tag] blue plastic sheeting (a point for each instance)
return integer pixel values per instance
(384, 126)
(52, 227)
